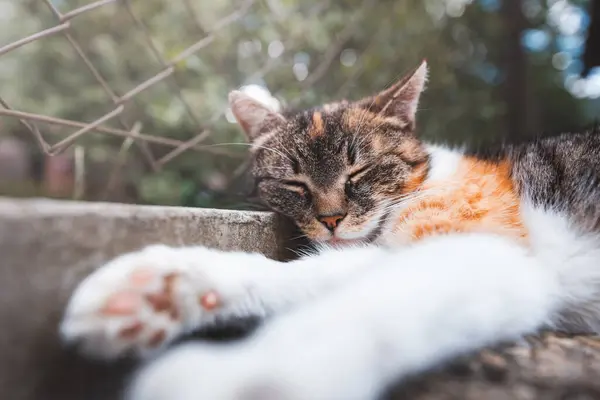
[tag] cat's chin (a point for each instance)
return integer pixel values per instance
(339, 242)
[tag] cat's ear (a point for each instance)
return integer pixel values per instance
(402, 98)
(255, 117)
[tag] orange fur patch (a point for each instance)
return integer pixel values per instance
(415, 179)
(317, 128)
(479, 197)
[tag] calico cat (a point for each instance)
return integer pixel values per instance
(425, 252)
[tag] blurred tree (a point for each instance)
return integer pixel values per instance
(522, 113)
(591, 57)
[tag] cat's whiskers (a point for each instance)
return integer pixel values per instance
(365, 114)
(362, 138)
(356, 143)
(285, 148)
(305, 251)
(404, 200)
(381, 211)
(249, 145)
(362, 142)
(299, 237)
(286, 169)
(358, 136)
(376, 127)
(396, 205)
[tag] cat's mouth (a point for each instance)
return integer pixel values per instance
(369, 237)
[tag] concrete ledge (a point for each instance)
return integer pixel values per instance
(47, 247)
(115, 228)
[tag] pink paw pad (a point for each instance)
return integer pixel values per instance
(141, 278)
(130, 301)
(210, 300)
(122, 303)
(163, 301)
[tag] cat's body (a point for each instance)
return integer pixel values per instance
(435, 252)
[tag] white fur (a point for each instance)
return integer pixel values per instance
(355, 319)
(262, 95)
(444, 162)
(575, 258)
(414, 310)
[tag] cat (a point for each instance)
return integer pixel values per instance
(424, 253)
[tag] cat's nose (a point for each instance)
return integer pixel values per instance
(331, 221)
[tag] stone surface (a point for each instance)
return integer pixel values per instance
(549, 367)
(47, 247)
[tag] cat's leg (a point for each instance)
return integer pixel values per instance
(141, 301)
(423, 305)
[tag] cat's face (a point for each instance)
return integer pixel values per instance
(336, 170)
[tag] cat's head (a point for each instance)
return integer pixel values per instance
(336, 170)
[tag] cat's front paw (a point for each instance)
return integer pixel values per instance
(138, 303)
(202, 371)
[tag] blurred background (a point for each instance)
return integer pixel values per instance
(126, 100)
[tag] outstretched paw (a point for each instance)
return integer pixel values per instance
(201, 371)
(138, 303)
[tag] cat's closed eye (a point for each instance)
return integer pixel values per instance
(296, 187)
(355, 175)
(353, 179)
